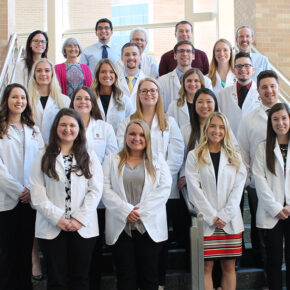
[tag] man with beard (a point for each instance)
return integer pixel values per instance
(241, 98)
(130, 78)
(170, 83)
(244, 40)
(104, 48)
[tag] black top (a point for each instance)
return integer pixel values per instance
(284, 149)
(105, 99)
(190, 107)
(43, 101)
(215, 158)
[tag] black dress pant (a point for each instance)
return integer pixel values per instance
(16, 241)
(274, 248)
(68, 258)
(136, 259)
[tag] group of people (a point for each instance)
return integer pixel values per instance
(101, 147)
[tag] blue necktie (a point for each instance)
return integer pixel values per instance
(105, 52)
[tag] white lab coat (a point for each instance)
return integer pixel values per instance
(228, 104)
(14, 171)
(170, 86)
(152, 204)
(124, 87)
(48, 197)
(101, 139)
(180, 114)
(230, 81)
(21, 73)
(47, 115)
(252, 131)
(114, 116)
(148, 66)
(271, 189)
(221, 199)
(169, 143)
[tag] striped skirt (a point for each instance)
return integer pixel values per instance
(222, 245)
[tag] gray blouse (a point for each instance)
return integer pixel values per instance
(133, 180)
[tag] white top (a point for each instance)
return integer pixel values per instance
(148, 66)
(272, 190)
(21, 73)
(152, 207)
(228, 104)
(92, 54)
(221, 199)
(180, 114)
(48, 197)
(260, 62)
(230, 80)
(15, 164)
(169, 143)
(115, 116)
(170, 86)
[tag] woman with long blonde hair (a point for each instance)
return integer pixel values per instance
(136, 188)
(215, 175)
(222, 65)
(45, 96)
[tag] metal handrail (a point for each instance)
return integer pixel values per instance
(196, 244)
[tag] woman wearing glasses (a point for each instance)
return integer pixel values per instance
(36, 48)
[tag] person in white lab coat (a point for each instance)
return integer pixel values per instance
(136, 187)
(36, 48)
(221, 70)
(215, 176)
(102, 140)
(191, 81)
(271, 171)
(45, 96)
(66, 187)
(20, 141)
(241, 98)
(114, 105)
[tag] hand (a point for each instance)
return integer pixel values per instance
(281, 215)
(181, 182)
(63, 224)
(286, 210)
(220, 224)
(74, 225)
(133, 216)
(25, 196)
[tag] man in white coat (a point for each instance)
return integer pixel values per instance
(252, 131)
(245, 39)
(130, 78)
(241, 98)
(170, 83)
(148, 64)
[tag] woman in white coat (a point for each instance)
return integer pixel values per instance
(136, 188)
(215, 176)
(45, 96)
(36, 48)
(19, 143)
(221, 70)
(66, 187)
(114, 105)
(271, 171)
(192, 80)
(102, 140)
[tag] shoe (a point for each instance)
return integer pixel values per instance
(38, 277)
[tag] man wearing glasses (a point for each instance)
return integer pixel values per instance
(241, 98)
(104, 48)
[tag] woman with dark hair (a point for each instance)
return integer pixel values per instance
(192, 80)
(36, 48)
(20, 140)
(271, 171)
(136, 188)
(71, 74)
(66, 187)
(114, 105)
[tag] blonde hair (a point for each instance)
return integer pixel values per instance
(214, 64)
(125, 152)
(96, 86)
(161, 116)
(34, 96)
(202, 150)
(182, 92)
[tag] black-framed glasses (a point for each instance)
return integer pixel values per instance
(240, 66)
